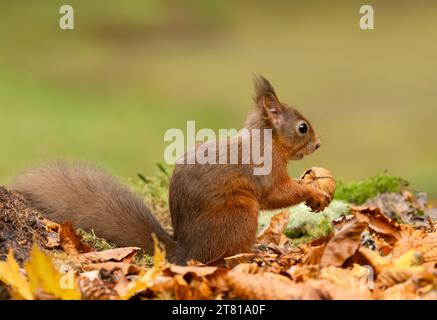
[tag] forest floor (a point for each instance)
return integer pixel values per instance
(385, 248)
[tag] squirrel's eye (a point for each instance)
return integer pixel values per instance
(302, 128)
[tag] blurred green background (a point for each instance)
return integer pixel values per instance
(108, 90)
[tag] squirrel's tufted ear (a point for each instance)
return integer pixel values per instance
(265, 95)
(266, 98)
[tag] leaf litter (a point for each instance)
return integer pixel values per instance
(368, 255)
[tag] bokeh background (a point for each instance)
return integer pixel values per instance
(108, 90)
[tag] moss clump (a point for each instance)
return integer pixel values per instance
(307, 232)
(305, 225)
(360, 191)
(144, 260)
(94, 241)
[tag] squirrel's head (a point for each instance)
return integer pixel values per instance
(289, 126)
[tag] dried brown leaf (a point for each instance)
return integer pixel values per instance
(274, 232)
(378, 223)
(372, 258)
(51, 226)
(183, 270)
(52, 241)
(314, 255)
(344, 244)
(119, 254)
(70, 241)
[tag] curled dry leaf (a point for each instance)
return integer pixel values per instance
(183, 270)
(314, 255)
(274, 232)
(50, 225)
(344, 244)
(147, 278)
(340, 221)
(378, 223)
(70, 241)
(52, 234)
(372, 258)
(120, 254)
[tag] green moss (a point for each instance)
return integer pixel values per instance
(144, 260)
(94, 241)
(309, 231)
(360, 191)
(305, 225)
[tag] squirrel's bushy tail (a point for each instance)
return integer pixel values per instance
(91, 199)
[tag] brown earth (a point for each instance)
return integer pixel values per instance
(19, 226)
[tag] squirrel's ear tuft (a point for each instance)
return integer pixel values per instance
(263, 88)
(266, 98)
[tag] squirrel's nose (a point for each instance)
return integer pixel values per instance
(317, 145)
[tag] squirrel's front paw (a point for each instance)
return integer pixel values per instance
(318, 200)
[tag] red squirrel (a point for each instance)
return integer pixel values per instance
(214, 207)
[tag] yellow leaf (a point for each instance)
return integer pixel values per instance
(408, 259)
(146, 278)
(10, 275)
(44, 276)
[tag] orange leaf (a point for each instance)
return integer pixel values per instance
(119, 254)
(378, 223)
(274, 232)
(70, 241)
(344, 244)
